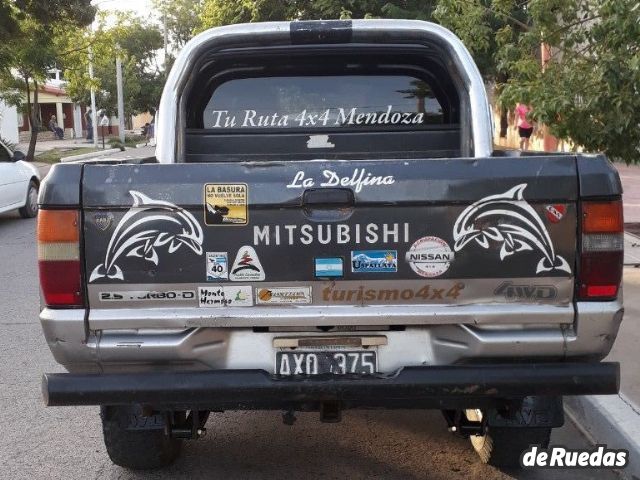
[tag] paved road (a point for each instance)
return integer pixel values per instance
(66, 443)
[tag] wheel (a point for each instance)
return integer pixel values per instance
(137, 442)
(503, 446)
(30, 208)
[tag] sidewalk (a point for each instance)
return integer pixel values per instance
(626, 347)
(614, 420)
(128, 155)
(46, 145)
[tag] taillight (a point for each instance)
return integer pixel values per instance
(59, 258)
(602, 250)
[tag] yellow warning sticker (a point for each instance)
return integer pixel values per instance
(225, 204)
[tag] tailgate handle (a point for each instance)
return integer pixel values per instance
(328, 197)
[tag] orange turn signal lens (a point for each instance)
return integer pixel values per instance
(602, 217)
(58, 226)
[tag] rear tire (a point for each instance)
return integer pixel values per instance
(503, 446)
(137, 442)
(30, 208)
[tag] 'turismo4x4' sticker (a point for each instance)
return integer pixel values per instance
(225, 204)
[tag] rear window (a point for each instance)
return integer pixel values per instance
(330, 102)
(371, 102)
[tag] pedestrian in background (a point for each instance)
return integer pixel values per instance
(53, 126)
(104, 123)
(88, 119)
(525, 128)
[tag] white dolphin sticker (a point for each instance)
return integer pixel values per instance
(509, 219)
(147, 225)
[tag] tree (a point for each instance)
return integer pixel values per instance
(136, 43)
(181, 18)
(588, 90)
(220, 12)
(27, 49)
(43, 12)
(490, 29)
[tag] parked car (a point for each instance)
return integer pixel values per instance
(19, 183)
(328, 227)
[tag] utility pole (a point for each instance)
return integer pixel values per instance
(94, 116)
(166, 37)
(120, 95)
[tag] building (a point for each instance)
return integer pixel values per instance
(52, 100)
(8, 123)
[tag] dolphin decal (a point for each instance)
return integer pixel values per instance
(147, 225)
(508, 218)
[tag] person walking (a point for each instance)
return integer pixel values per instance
(525, 128)
(53, 126)
(88, 120)
(104, 123)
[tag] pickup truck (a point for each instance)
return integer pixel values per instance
(325, 226)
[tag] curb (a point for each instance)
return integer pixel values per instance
(83, 156)
(612, 420)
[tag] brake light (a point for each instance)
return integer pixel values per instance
(602, 250)
(59, 258)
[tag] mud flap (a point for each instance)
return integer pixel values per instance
(535, 411)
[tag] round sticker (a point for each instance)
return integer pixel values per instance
(430, 256)
(555, 212)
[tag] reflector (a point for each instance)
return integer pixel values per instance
(601, 253)
(602, 217)
(59, 258)
(58, 226)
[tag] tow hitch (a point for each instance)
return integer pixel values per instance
(461, 426)
(190, 428)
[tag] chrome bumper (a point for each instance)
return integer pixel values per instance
(589, 337)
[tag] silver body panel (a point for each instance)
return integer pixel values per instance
(119, 345)
(302, 316)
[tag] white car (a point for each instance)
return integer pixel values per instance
(19, 183)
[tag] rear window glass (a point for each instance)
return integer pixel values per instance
(323, 102)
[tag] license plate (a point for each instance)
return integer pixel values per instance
(336, 362)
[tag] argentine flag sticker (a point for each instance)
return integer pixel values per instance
(329, 267)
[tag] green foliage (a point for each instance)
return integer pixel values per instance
(27, 48)
(130, 141)
(222, 12)
(588, 91)
(44, 12)
(182, 18)
(136, 43)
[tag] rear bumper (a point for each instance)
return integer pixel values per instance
(412, 387)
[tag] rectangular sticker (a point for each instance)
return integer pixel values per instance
(374, 261)
(146, 295)
(329, 267)
(217, 266)
(225, 296)
(225, 204)
(283, 295)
